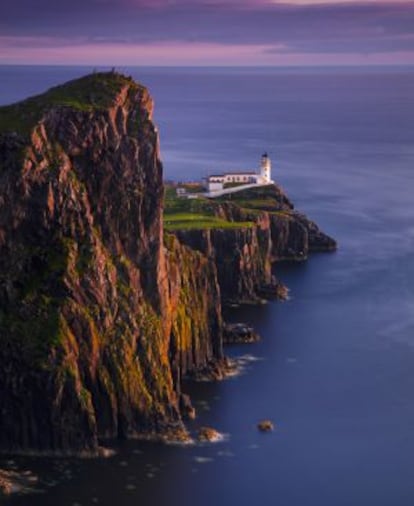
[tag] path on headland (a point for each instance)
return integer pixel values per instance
(219, 193)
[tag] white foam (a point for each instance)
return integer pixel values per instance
(225, 453)
(176, 442)
(203, 460)
(240, 364)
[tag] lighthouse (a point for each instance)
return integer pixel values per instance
(266, 169)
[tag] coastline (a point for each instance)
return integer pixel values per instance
(119, 302)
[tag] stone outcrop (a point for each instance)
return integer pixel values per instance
(265, 426)
(208, 435)
(244, 256)
(98, 321)
(196, 336)
(15, 482)
(237, 333)
(242, 260)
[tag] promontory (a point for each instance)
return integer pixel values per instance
(107, 302)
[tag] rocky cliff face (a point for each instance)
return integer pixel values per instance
(244, 256)
(95, 326)
(101, 316)
(241, 257)
(196, 343)
(294, 236)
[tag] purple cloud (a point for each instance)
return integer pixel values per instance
(275, 28)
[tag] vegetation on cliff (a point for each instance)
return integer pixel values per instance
(245, 232)
(101, 313)
(195, 214)
(91, 302)
(93, 92)
(270, 198)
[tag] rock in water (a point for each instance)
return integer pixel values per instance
(236, 333)
(12, 482)
(208, 434)
(265, 426)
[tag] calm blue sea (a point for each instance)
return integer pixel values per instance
(335, 367)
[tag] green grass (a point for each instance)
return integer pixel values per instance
(194, 214)
(190, 221)
(261, 198)
(193, 187)
(92, 92)
(257, 204)
(174, 204)
(202, 213)
(170, 193)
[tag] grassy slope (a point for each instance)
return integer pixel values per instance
(262, 198)
(193, 214)
(187, 221)
(92, 92)
(184, 214)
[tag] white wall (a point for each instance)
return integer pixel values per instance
(213, 186)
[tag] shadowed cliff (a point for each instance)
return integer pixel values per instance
(91, 310)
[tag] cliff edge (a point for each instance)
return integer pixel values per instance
(91, 302)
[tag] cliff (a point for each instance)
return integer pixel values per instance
(241, 264)
(196, 345)
(102, 315)
(244, 234)
(94, 333)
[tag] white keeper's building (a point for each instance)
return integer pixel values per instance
(216, 182)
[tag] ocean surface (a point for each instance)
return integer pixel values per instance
(335, 367)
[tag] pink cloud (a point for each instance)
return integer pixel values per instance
(47, 51)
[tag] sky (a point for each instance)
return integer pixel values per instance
(207, 32)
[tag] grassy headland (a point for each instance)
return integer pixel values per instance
(200, 213)
(261, 198)
(89, 93)
(182, 213)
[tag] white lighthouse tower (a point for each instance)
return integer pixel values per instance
(266, 169)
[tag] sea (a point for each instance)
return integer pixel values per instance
(334, 370)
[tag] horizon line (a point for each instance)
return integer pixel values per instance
(137, 65)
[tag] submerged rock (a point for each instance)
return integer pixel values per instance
(208, 434)
(275, 290)
(236, 333)
(265, 426)
(176, 435)
(12, 481)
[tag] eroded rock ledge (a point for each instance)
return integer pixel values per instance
(255, 229)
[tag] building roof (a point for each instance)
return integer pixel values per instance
(241, 173)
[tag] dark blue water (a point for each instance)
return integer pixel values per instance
(335, 368)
